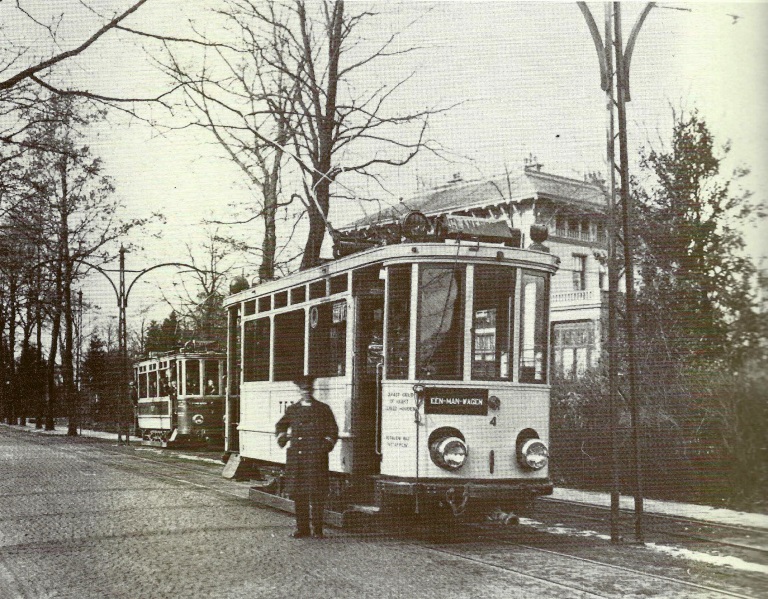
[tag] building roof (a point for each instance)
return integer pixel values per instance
(531, 184)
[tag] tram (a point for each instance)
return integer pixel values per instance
(433, 355)
(181, 397)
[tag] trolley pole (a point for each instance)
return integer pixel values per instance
(615, 82)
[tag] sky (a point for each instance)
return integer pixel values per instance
(523, 78)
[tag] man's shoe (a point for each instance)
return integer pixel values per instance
(318, 534)
(298, 534)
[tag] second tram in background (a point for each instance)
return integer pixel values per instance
(181, 397)
(432, 354)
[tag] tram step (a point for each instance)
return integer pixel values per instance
(230, 468)
(284, 504)
(371, 510)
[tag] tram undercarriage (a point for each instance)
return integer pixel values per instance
(353, 499)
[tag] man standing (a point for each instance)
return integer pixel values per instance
(310, 427)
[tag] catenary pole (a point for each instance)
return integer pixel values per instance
(615, 82)
(614, 274)
(622, 97)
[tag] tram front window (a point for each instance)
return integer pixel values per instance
(211, 377)
(533, 330)
(494, 292)
(398, 321)
(440, 341)
(193, 377)
(153, 384)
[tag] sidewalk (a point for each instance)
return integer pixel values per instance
(61, 429)
(703, 513)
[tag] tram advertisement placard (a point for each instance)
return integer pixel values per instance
(470, 402)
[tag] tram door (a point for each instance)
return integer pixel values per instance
(368, 362)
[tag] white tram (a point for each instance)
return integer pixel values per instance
(434, 358)
(180, 397)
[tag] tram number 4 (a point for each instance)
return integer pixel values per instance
(493, 421)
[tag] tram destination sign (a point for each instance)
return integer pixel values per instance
(446, 400)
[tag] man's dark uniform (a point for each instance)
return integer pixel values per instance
(314, 433)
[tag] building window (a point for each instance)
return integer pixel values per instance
(579, 270)
(573, 347)
(602, 275)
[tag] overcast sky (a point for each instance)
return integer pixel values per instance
(527, 80)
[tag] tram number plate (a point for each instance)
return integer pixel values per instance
(470, 402)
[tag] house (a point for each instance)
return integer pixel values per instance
(574, 212)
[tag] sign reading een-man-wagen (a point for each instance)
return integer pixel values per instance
(471, 402)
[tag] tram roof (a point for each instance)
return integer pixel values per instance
(462, 196)
(189, 355)
(407, 252)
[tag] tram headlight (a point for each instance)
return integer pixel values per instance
(449, 452)
(533, 454)
(198, 419)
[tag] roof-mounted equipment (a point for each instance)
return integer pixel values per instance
(470, 228)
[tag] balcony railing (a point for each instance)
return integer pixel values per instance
(598, 237)
(588, 296)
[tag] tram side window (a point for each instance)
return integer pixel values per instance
(163, 382)
(289, 345)
(173, 384)
(234, 350)
(439, 348)
(494, 293)
(193, 377)
(533, 328)
(328, 339)
(153, 384)
(142, 385)
(256, 350)
(398, 321)
(211, 369)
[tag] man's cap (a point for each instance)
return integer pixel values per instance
(304, 380)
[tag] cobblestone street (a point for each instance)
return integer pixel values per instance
(87, 518)
(80, 519)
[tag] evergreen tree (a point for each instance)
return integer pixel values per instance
(165, 337)
(696, 282)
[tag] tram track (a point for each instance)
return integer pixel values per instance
(659, 524)
(640, 574)
(562, 584)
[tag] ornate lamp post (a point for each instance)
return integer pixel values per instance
(609, 53)
(122, 292)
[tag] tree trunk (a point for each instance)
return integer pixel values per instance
(70, 398)
(12, 386)
(40, 381)
(50, 413)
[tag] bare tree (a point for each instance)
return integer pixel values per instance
(232, 92)
(287, 87)
(70, 215)
(337, 129)
(197, 300)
